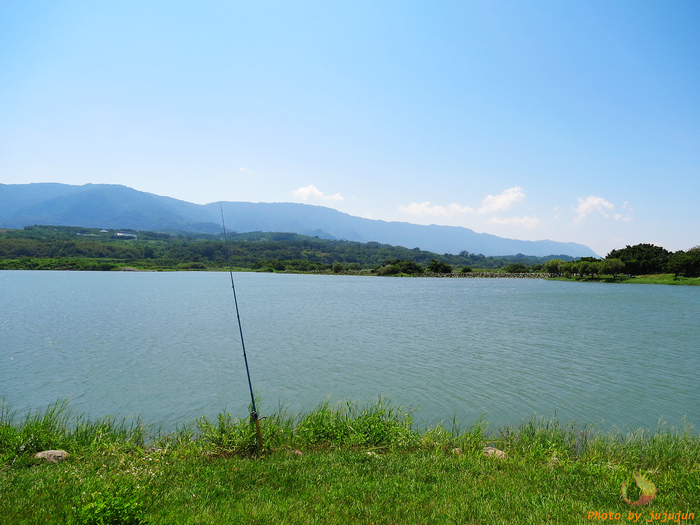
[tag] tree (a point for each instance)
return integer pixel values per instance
(396, 266)
(552, 266)
(515, 268)
(612, 266)
(584, 268)
(439, 267)
(642, 259)
(568, 268)
(686, 264)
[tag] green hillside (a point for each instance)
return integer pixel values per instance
(64, 247)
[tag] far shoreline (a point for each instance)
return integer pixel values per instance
(665, 279)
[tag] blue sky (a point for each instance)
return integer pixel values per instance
(570, 121)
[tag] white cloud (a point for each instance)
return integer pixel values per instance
(598, 205)
(524, 222)
(311, 192)
(490, 204)
(422, 209)
(502, 201)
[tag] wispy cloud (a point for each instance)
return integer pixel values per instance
(502, 201)
(311, 192)
(598, 206)
(523, 222)
(421, 209)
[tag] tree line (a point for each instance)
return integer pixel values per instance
(640, 259)
(254, 250)
(63, 247)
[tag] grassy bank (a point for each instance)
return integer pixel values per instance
(337, 464)
(662, 278)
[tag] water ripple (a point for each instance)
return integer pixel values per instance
(166, 345)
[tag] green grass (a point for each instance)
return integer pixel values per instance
(665, 278)
(662, 278)
(341, 463)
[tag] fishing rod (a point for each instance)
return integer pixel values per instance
(254, 413)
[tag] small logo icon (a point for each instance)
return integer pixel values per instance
(647, 487)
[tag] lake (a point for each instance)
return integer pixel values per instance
(166, 346)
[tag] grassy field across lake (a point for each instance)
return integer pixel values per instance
(661, 278)
(342, 463)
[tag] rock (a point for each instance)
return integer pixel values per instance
(52, 456)
(492, 451)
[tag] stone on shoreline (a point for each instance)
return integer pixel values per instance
(52, 456)
(492, 451)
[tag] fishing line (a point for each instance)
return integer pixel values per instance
(254, 413)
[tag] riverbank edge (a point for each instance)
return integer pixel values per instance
(667, 279)
(336, 464)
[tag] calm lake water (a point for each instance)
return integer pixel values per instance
(166, 346)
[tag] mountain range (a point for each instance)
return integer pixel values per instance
(119, 207)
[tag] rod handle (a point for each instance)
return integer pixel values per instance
(259, 433)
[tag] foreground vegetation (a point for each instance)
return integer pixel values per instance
(344, 463)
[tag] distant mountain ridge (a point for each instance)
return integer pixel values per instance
(115, 206)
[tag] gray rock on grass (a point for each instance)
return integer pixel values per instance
(52, 456)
